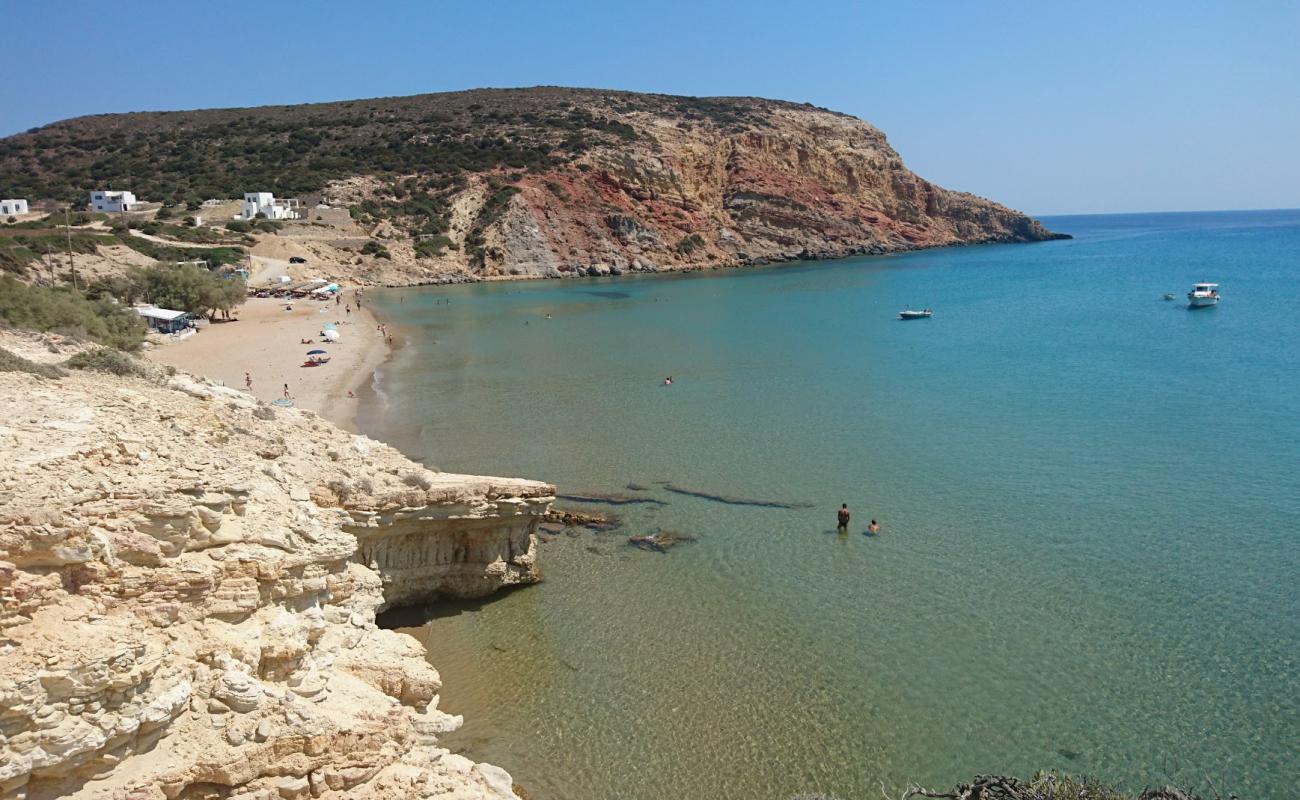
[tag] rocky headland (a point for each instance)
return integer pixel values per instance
(525, 183)
(188, 586)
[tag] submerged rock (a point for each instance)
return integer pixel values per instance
(660, 541)
(594, 520)
(610, 499)
(733, 501)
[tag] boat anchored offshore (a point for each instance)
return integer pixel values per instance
(924, 313)
(1203, 295)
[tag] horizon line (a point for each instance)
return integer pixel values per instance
(1038, 215)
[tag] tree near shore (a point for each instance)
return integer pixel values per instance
(189, 288)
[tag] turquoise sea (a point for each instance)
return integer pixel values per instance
(1090, 499)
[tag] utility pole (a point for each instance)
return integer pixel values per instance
(67, 226)
(49, 262)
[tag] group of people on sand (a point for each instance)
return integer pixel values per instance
(843, 518)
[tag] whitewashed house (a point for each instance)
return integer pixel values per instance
(12, 207)
(265, 203)
(112, 201)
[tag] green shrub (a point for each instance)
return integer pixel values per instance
(690, 244)
(102, 359)
(10, 362)
(70, 312)
(433, 246)
(238, 226)
(376, 249)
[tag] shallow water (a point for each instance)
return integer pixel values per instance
(1090, 499)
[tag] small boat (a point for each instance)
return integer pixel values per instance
(1203, 295)
(924, 313)
(1171, 296)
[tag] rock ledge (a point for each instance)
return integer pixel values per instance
(188, 588)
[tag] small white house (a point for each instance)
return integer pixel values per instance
(265, 203)
(112, 201)
(12, 207)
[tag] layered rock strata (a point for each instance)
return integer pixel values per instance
(188, 584)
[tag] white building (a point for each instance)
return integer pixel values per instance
(12, 207)
(265, 203)
(112, 201)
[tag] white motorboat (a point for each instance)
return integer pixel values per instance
(924, 313)
(1203, 295)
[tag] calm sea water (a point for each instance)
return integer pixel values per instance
(1090, 499)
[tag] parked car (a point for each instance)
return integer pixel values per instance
(297, 260)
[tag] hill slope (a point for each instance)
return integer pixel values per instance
(536, 182)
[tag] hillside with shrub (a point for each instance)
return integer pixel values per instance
(535, 182)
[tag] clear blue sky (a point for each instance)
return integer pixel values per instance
(1049, 107)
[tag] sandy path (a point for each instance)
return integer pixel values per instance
(265, 342)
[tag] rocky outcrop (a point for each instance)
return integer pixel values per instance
(188, 584)
(539, 182)
(756, 182)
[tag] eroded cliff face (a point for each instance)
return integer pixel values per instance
(188, 583)
(761, 181)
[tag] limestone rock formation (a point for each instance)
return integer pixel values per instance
(188, 585)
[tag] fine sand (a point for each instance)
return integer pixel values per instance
(265, 342)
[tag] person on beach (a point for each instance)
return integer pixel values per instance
(843, 516)
(248, 382)
(286, 391)
(347, 309)
(873, 528)
(338, 298)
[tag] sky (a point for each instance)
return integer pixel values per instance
(1049, 107)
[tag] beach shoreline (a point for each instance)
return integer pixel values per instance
(266, 341)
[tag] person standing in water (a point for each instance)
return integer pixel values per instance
(873, 528)
(843, 516)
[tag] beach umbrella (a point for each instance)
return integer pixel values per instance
(316, 352)
(332, 336)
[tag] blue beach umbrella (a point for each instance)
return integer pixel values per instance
(316, 352)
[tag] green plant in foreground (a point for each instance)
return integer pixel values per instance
(11, 362)
(102, 359)
(70, 312)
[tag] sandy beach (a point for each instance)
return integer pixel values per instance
(266, 342)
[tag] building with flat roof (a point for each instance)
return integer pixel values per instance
(112, 202)
(264, 203)
(164, 320)
(12, 207)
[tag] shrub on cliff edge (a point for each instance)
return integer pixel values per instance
(68, 311)
(10, 362)
(114, 362)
